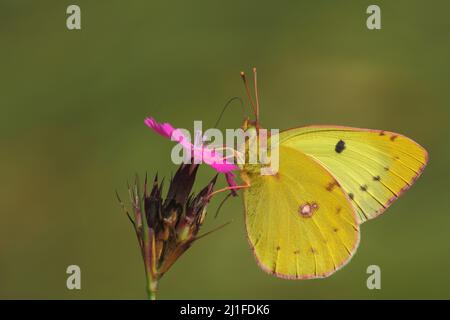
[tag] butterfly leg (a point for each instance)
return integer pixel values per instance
(235, 154)
(231, 188)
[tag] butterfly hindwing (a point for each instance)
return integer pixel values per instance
(374, 167)
(300, 223)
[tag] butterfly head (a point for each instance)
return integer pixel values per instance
(248, 125)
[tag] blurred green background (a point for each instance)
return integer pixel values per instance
(72, 132)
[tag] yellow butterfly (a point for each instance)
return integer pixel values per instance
(304, 221)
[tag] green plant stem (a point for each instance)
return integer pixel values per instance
(152, 283)
(152, 287)
(147, 254)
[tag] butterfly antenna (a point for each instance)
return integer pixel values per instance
(247, 89)
(226, 106)
(255, 82)
(221, 204)
(213, 230)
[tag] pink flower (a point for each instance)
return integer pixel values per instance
(201, 153)
(164, 129)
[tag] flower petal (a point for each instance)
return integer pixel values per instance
(224, 168)
(230, 179)
(164, 129)
(217, 161)
(229, 176)
(200, 154)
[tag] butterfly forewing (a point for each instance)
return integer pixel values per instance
(373, 167)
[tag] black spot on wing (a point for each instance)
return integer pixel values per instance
(340, 146)
(331, 185)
